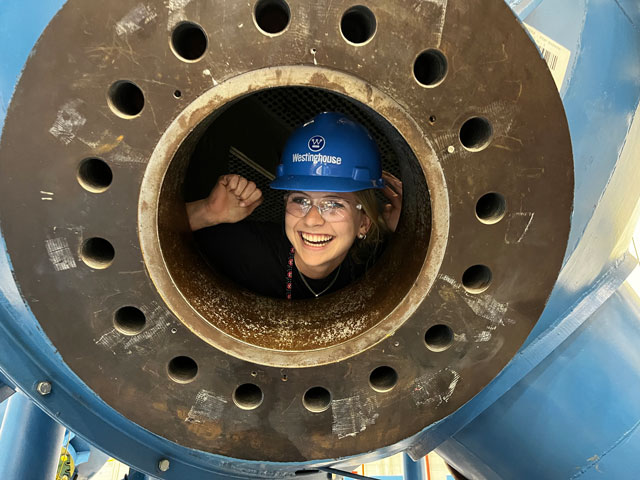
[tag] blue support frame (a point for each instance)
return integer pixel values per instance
(413, 470)
(30, 441)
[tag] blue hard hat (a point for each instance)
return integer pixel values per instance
(331, 153)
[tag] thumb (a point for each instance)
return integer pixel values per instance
(255, 204)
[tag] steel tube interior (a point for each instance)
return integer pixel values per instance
(258, 320)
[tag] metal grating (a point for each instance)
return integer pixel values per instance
(272, 208)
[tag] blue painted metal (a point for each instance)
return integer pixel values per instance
(522, 8)
(569, 393)
(26, 428)
(413, 470)
(79, 450)
(21, 33)
(3, 408)
(590, 435)
(135, 475)
(6, 390)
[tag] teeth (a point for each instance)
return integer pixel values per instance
(315, 239)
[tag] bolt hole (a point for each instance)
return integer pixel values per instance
(383, 379)
(272, 16)
(248, 396)
(491, 208)
(97, 253)
(430, 68)
(476, 279)
(177, 94)
(94, 175)
(129, 320)
(182, 369)
(125, 99)
(438, 338)
(358, 25)
(432, 119)
(189, 41)
(316, 399)
(284, 378)
(476, 133)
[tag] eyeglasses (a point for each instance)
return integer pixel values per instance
(331, 210)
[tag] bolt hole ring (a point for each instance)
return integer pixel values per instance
(272, 17)
(125, 99)
(316, 399)
(438, 338)
(383, 379)
(358, 25)
(182, 369)
(248, 396)
(477, 279)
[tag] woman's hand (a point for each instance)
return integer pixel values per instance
(393, 191)
(233, 198)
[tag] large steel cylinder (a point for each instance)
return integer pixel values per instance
(126, 110)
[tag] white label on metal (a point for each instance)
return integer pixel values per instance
(556, 56)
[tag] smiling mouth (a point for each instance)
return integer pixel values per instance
(315, 240)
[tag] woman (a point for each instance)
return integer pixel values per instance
(333, 229)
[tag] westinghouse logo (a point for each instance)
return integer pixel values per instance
(316, 143)
(316, 158)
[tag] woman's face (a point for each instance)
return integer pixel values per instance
(323, 241)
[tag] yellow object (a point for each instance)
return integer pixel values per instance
(66, 467)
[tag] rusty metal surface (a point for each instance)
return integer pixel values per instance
(60, 115)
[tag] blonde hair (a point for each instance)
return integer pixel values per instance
(367, 249)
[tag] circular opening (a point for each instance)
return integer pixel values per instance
(438, 338)
(358, 25)
(228, 299)
(272, 16)
(94, 175)
(182, 369)
(430, 68)
(383, 379)
(129, 320)
(125, 99)
(97, 253)
(491, 208)
(476, 279)
(316, 399)
(248, 396)
(189, 41)
(177, 94)
(432, 119)
(475, 133)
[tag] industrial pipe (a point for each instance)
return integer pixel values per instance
(26, 428)
(167, 365)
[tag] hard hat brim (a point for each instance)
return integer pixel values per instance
(323, 184)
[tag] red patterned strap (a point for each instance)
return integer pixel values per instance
(289, 278)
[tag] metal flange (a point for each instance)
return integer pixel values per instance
(92, 167)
